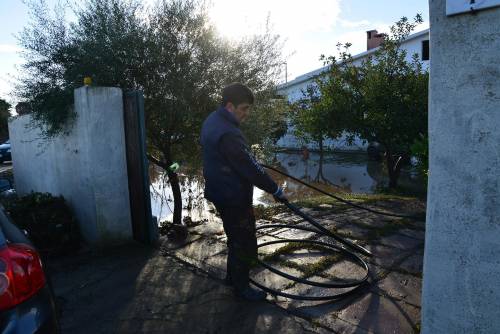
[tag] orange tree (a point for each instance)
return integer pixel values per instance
(383, 100)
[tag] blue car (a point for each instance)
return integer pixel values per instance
(5, 152)
(26, 298)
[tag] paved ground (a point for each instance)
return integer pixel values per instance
(136, 290)
(389, 304)
(178, 289)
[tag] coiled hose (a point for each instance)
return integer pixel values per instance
(345, 248)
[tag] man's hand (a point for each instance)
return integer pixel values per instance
(279, 196)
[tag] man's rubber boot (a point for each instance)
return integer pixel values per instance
(251, 294)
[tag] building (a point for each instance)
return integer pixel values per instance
(417, 43)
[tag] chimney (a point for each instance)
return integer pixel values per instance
(373, 39)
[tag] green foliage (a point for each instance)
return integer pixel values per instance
(4, 120)
(267, 121)
(171, 52)
(420, 149)
(327, 107)
(48, 221)
(308, 117)
(384, 99)
(102, 44)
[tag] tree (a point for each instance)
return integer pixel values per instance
(257, 61)
(420, 149)
(4, 120)
(184, 81)
(266, 123)
(384, 99)
(308, 117)
(105, 43)
(171, 52)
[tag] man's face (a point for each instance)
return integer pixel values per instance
(241, 111)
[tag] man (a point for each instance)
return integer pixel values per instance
(230, 173)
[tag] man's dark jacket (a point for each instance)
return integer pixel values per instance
(229, 168)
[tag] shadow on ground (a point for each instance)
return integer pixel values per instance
(137, 290)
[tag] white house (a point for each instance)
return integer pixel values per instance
(417, 43)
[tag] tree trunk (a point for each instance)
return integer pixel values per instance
(320, 175)
(173, 179)
(320, 142)
(394, 168)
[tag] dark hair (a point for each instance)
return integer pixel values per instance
(237, 93)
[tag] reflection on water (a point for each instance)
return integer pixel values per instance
(162, 200)
(346, 172)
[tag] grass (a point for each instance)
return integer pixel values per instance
(307, 269)
(316, 201)
(402, 191)
(288, 249)
(333, 205)
(312, 269)
(266, 212)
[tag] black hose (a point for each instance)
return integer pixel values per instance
(346, 248)
(340, 199)
(356, 284)
(324, 231)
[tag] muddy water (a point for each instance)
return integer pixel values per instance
(345, 172)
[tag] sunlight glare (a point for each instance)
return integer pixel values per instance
(236, 18)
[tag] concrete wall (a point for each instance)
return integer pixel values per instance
(87, 166)
(461, 290)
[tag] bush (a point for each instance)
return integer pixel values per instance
(48, 220)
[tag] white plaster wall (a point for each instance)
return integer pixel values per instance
(461, 287)
(290, 141)
(87, 166)
(414, 46)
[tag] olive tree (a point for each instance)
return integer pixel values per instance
(170, 51)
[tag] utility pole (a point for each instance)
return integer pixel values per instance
(286, 71)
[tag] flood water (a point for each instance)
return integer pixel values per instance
(337, 172)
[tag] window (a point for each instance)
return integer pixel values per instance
(425, 50)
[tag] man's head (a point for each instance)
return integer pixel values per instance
(237, 99)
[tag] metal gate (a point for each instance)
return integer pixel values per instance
(144, 229)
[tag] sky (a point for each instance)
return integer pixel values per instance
(309, 28)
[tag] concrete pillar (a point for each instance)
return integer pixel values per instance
(461, 287)
(87, 165)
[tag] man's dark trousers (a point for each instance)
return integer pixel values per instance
(230, 173)
(239, 225)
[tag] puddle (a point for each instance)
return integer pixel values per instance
(346, 172)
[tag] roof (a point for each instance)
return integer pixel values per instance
(307, 76)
